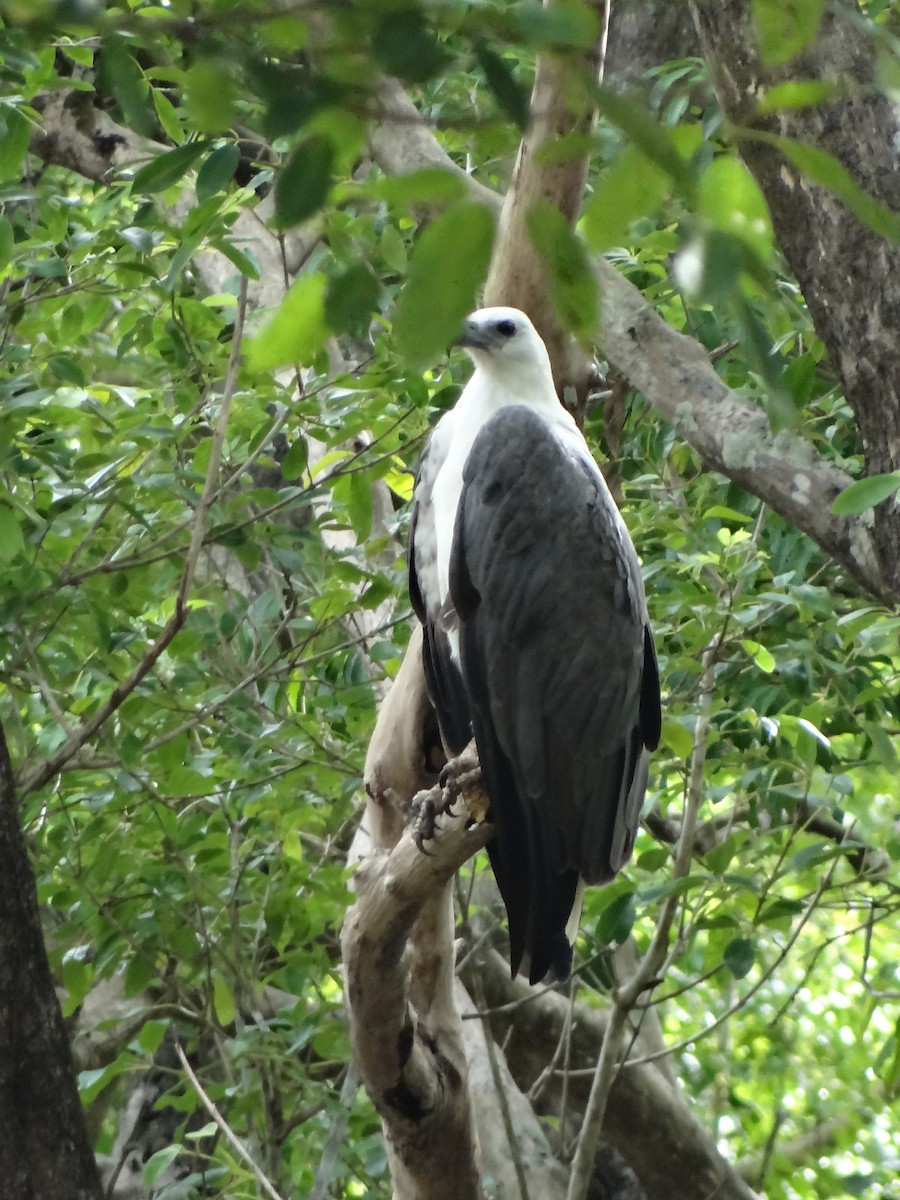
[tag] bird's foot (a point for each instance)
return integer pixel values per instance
(462, 777)
(425, 809)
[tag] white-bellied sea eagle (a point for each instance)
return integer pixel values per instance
(536, 636)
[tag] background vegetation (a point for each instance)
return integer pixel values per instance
(203, 502)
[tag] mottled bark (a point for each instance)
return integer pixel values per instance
(850, 275)
(44, 1151)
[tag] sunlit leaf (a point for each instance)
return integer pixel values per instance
(297, 331)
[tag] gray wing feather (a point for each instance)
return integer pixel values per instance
(553, 647)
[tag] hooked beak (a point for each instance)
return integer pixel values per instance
(473, 336)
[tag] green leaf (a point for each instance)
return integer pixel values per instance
(633, 187)
(168, 116)
(120, 74)
(167, 169)
(449, 263)
(151, 1036)
(785, 27)
(217, 170)
(883, 745)
(511, 96)
(865, 494)
(730, 198)
(573, 286)
(7, 243)
(11, 540)
(431, 184)
(351, 299)
(223, 1001)
(157, 1164)
(760, 655)
(406, 47)
(796, 94)
(739, 956)
(210, 96)
(293, 465)
(14, 139)
(297, 331)
(659, 144)
(677, 737)
(825, 169)
(305, 180)
(617, 919)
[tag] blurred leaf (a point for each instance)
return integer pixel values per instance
(223, 1001)
(763, 658)
(573, 286)
(406, 47)
(297, 331)
(865, 494)
(7, 243)
(730, 198)
(210, 95)
(449, 263)
(882, 744)
(739, 957)
(785, 27)
(511, 96)
(305, 180)
(796, 94)
(11, 540)
(631, 188)
(825, 169)
(351, 299)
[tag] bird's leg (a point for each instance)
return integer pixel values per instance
(461, 776)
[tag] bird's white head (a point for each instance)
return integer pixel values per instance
(505, 344)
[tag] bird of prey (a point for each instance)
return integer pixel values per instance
(536, 636)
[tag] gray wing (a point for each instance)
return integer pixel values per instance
(559, 668)
(442, 674)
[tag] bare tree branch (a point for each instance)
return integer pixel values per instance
(411, 1058)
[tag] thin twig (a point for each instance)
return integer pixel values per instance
(233, 1140)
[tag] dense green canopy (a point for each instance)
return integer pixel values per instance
(204, 490)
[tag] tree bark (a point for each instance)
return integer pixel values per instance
(44, 1150)
(848, 273)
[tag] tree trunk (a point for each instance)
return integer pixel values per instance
(848, 273)
(44, 1151)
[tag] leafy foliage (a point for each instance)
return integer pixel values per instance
(193, 849)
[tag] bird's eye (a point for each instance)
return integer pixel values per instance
(506, 328)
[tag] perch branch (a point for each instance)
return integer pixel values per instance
(410, 1057)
